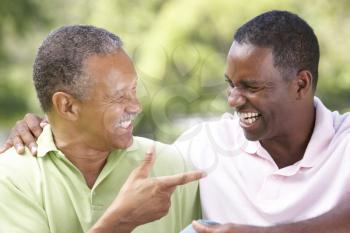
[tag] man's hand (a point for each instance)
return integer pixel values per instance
(217, 228)
(25, 133)
(142, 199)
(228, 228)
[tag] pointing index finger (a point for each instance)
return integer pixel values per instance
(7, 145)
(181, 179)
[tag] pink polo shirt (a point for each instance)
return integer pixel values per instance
(245, 186)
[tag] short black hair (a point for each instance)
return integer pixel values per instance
(293, 42)
(59, 60)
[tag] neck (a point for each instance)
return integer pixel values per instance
(290, 148)
(90, 161)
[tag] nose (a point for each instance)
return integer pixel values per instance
(134, 105)
(235, 97)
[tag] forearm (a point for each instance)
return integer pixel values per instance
(111, 228)
(106, 229)
(334, 221)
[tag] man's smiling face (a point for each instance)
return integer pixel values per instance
(106, 116)
(258, 92)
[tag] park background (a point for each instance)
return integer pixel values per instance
(179, 48)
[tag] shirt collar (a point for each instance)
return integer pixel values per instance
(46, 143)
(322, 135)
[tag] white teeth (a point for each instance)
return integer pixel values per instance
(248, 117)
(250, 120)
(125, 122)
(248, 114)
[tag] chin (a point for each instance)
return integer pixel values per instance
(251, 137)
(123, 143)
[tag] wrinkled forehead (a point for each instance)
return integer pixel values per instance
(121, 80)
(115, 69)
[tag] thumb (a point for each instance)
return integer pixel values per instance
(200, 228)
(146, 165)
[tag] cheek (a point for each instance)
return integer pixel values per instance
(228, 91)
(111, 116)
(91, 118)
(257, 100)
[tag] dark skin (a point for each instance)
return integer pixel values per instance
(285, 107)
(25, 132)
(334, 221)
(255, 85)
(142, 199)
(285, 125)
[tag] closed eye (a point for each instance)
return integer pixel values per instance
(116, 99)
(253, 88)
(229, 82)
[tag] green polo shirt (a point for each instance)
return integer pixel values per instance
(48, 193)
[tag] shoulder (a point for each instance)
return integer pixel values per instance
(21, 171)
(341, 135)
(204, 143)
(226, 125)
(10, 160)
(339, 142)
(341, 122)
(20, 193)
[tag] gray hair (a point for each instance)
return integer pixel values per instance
(59, 61)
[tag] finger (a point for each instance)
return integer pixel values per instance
(45, 121)
(43, 124)
(200, 228)
(7, 145)
(182, 178)
(33, 123)
(144, 168)
(27, 137)
(33, 148)
(18, 144)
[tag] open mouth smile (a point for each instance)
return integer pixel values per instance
(248, 118)
(126, 121)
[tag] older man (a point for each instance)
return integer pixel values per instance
(87, 162)
(281, 164)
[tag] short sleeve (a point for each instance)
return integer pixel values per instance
(19, 213)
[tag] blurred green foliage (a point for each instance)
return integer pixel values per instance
(179, 48)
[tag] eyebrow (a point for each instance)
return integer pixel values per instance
(252, 82)
(246, 82)
(227, 79)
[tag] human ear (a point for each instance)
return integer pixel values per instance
(65, 105)
(303, 83)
